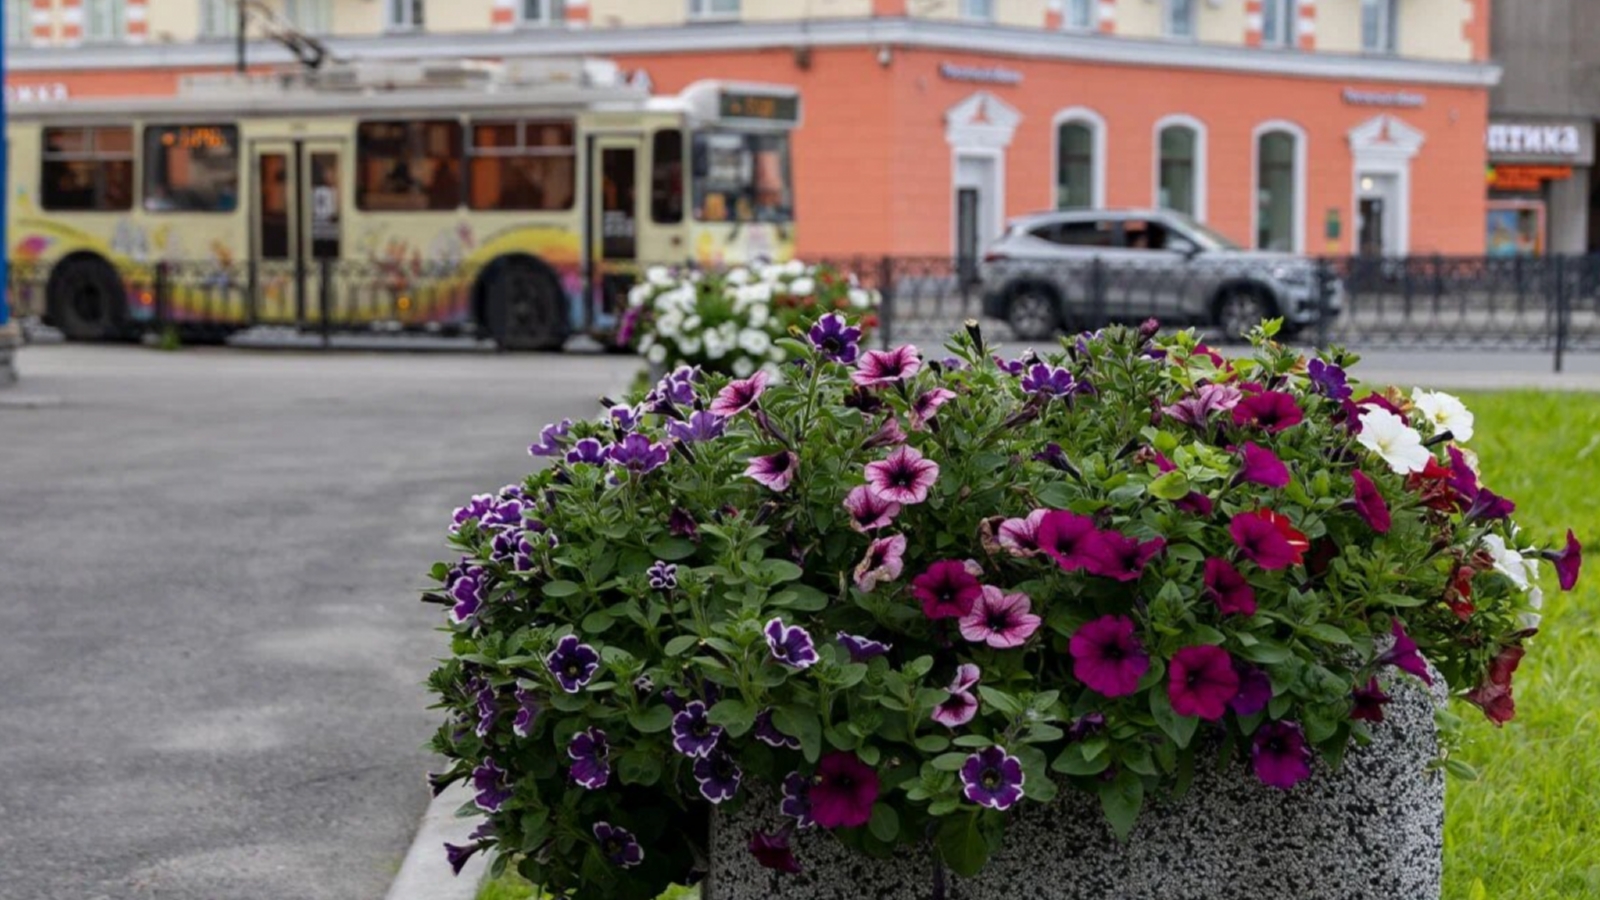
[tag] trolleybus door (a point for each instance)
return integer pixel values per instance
(295, 224)
(616, 214)
(321, 234)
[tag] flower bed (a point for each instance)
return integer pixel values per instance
(914, 594)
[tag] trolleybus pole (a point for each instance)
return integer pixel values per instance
(10, 336)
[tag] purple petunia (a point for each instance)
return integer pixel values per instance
(626, 418)
(1107, 656)
(1328, 380)
(1568, 561)
(796, 803)
(947, 589)
(1020, 537)
(528, 709)
(1404, 655)
(1050, 381)
(959, 706)
(718, 776)
(1255, 690)
(883, 562)
(904, 477)
(836, 339)
(1272, 411)
(790, 645)
(992, 778)
(1012, 367)
(458, 856)
(878, 368)
(775, 471)
(1116, 555)
(889, 434)
(468, 590)
(589, 451)
(927, 405)
(1056, 458)
(489, 785)
(768, 733)
(1207, 400)
(693, 735)
(573, 664)
(488, 711)
(739, 396)
(1280, 755)
(1000, 620)
(663, 576)
(862, 649)
(591, 759)
(1200, 682)
(1367, 703)
(843, 792)
(638, 453)
(1369, 503)
(1262, 466)
(618, 845)
(868, 512)
(772, 851)
(476, 509)
(701, 426)
(552, 439)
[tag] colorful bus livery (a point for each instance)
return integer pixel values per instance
(511, 200)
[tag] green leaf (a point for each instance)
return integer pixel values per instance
(1399, 600)
(652, 720)
(932, 743)
(801, 598)
(1121, 798)
(1073, 762)
(639, 766)
(962, 846)
(885, 823)
(973, 740)
(562, 588)
(1170, 486)
(1265, 653)
(1460, 769)
(597, 622)
(1330, 634)
(777, 571)
(681, 644)
(803, 724)
(672, 549)
(950, 762)
(1056, 495)
(1093, 747)
(1178, 727)
(735, 715)
(1001, 700)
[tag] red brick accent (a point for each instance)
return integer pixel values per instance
(42, 33)
(888, 8)
(1476, 29)
(1052, 19)
(1308, 13)
(72, 32)
(1252, 30)
(577, 13)
(1106, 11)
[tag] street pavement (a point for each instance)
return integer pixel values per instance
(211, 647)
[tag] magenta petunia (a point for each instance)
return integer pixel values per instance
(1001, 620)
(867, 511)
(1069, 539)
(1107, 656)
(889, 434)
(1369, 503)
(772, 850)
(884, 562)
(1268, 539)
(1280, 755)
(843, 791)
(956, 710)
(1568, 562)
(1367, 703)
(904, 477)
(877, 368)
(927, 405)
(947, 590)
(775, 471)
(1270, 410)
(1228, 589)
(1200, 682)
(1116, 555)
(1262, 466)
(741, 395)
(1020, 537)
(1404, 655)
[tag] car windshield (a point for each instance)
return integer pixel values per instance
(1203, 235)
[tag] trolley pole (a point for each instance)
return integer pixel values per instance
(10, 334)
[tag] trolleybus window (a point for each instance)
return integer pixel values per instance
(666, 177)
(191, 168)
(522, 165)
(87, 170)
(741, 177)
(408, 165)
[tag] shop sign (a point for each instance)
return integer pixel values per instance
(37, 93)
(1526, 178)
(1535, 140)
(979, 74)
(1399, 99)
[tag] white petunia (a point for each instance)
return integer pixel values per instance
(755, 341)
(743, 367)
(753, 293)
(802, 287)
(647, 342)
(1531, 619)
(658, 275)
(794, 267)
(738, 276)
(692, 325)
(1388, 435)
(1446, 412)
(1508, 562)
(759, 314)
(689, 344)
(638, 294)
(771, 274)
(862, 299)
(716, 347)
(657, 354)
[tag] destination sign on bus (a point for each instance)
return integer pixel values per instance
(766, 107)
(197, 138)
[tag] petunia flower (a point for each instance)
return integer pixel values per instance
(693, 735)
(1493, 696)
(572, 663)
(796, 802)
(775, 471)
(1445, 413)
(1049, 381)
(863, 649)
(926, 406)
(1568, 561)
(488, 711)
(1436, 484)
(1388, 435)
(1228, 589)
(904, 477)
(884, 562)
(1200, 682)
(682, 524)
(468, 591)
(1403, 655)
(589, 451)
(1056, 458)
(1262, 466)
(637, 453)
(702, 425)
(552, 439)
(1069, 539)
(957, 709)
(836, 339)
(877, 368)
(1107, 656)
(1209, 399)
(947, 589)
(1268, 539)
(772, 850)
(591, 759)
(992, 778)
(967, 677)
(528, 709)
(1272, 411)
(867, 511)
(1369, 503)
(618, 845)
(1367, 702)
(625, 418)
(741, 395)
(1020, 537)
(790, 644)
(1280, 755)
(489, 786)
(843, 792)
(718, 776)
(1012, 367)
(1328, 380)
(768, 733)
(1000, 620)
(459, 856)
(889, 434)
(1116, 555)
(1255, 690)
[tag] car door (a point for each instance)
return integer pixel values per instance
(1142, 277)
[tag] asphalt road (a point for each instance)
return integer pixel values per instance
(211, 649)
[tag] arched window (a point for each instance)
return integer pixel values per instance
(1080, 160)
(1280, 188)
(1180, 165)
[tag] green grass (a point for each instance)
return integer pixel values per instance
(1530, 828)
(512, 887)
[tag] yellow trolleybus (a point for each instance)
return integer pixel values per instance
(511, 200)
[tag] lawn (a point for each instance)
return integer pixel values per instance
(1530, 828)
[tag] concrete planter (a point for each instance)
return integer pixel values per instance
(1373, 830)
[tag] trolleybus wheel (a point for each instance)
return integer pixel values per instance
(524, 308)
(87, 301)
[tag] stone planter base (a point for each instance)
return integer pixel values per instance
(1373, 830)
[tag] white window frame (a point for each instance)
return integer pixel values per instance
(977, 10)
(412, 18)
(1388, 13)
(219, 20)
(116, 10)
(1289, 20)
(1170, 19)
(19, 23)
(298, 11)
(1097, 168)
(551, 12)
(1298, 231)
(1078, 15)
(707, 10)
(1201, 172)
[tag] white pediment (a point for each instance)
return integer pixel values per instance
(1385, 135)
(981, 120)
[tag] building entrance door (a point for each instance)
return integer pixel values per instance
(1377, 204)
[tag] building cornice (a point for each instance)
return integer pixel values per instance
(701, 37)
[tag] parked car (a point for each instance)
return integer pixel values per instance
(1079, 269)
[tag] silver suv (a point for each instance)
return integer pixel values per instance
(1079, 269)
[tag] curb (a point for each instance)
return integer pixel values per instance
(425, 874)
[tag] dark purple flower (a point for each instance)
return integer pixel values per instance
(572, 663)
(1107, 656)
(1228, 589)
(993, 778)
(507, 514)
(1568, 561)
(591, 759)
(867, 511)
(877, 368)
(663, 576)
(488, 711)
(638, 454)
(836, 339)
(718, 776)
(528, 708)
(1280, 755)
(552, 438)
(1208, 399)
(589, 451)
(693, 735)
(1200, 682)
(1069, 539)
(1255, 690)
(489, 783)
(843, 792)
(796, 802)
(790, 644)
(1116, 555)
(681, 524)
(1494, 695)
(889, 434)
(768, 733)
(458, 856)
(927, 405)
(1085, 727)
(1328, 380)
(1403, 655)
(618, 845)
(1262, 466)
(701, 426)
(1487, 506)
(1270, 410)
(625, 418)
(772, 850)
(1369, 503)
(1012, 367)
(1000, 620)
(1056, 458)
(1053, 381)
(468, 591)
(904, 477)
(478, 507)
(739, 396)
(948, 589)
(775, 471)
(1268, 539)
(1368, 702)
(863, 649)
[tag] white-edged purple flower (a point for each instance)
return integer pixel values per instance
(904, 477)
(552, 439)
(507, 514)
(618, 845)
(768, 733)
(877, 368)
(693, 735)
(796, 803)
(663, 576)
(468, 590)
(701, 426)
(927, 405)
(589, 451)
(862, 649)
(869, 512)
(775, 471)
(884, 561)
(790, 645)
(741, 395)
(1054, 381)
(836, 339)
(993, 778)
(572, 663)
(1020, 537)
(590, 753)
(528, 709)
(637, 453)
(626, 418)
(488, 710)
(458, 856)
(476, 509)
(718, 776)
(1012, 367)
(489, 785)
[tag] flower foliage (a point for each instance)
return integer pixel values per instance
(729, 322)
(905, 619)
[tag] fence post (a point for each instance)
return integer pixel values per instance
(886, 289)
(1563, 301)
(162, 290)
(252, 298)
(1324, 299)
(325, 290)
(1097, 292)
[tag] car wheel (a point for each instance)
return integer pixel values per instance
(1032, 315)
(87, 301)
(525, 309)
(1239, 310)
